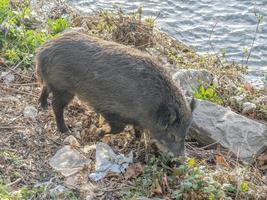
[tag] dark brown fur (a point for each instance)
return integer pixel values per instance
(123, 84)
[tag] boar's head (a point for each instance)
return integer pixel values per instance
(174, 121)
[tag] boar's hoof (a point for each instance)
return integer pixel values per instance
(43, 107)
(64, 129)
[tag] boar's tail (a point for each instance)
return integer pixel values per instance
(40, 62)
(38, 72)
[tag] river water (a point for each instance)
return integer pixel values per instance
(228, 25)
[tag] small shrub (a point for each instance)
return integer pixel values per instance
(17, 40)
(208, 93)
(58, 25)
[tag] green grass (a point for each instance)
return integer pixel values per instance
(23, 193)
(18, 41)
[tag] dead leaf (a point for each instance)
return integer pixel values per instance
(133, 170)
(112, 175)
(88, 148)
(106, 139)
(263, 157)
(248, 87)
(263, 168)
(220, 160)
(262, 161)
(2, 62)
(165, 184)
(156, 188)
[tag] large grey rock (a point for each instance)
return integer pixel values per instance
(190, 79)
(214, 123)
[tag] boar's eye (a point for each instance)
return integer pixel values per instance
(167, 115)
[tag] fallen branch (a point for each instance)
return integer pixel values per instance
(16, 90)
(14, 182)
(11, 127)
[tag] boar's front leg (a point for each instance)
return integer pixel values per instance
(60, 100)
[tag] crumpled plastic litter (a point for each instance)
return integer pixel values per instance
(68, 161)
(107, 160)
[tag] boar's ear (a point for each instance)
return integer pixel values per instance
(193, 104)
(167, 115)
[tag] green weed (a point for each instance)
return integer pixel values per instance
(58, 25)
(19, 42)
(23, 193)
(208, 93)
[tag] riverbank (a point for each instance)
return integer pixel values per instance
(229, 82)
(29, 142)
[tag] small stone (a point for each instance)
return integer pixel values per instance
(30, 112)
(71, 140)
(261, 100)
(190, 80)
(7, 77)
(248, 107)
(58, 192)
(93, 129)
(237, 100)
(79, 124)
(77, 134)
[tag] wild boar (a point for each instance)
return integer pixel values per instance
(123, 84)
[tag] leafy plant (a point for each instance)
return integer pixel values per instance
(58, 25)
(208, 93)
(244, 186)
(17, 40)
(149, 21)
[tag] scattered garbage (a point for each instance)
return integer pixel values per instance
(7, 77)
(30, 112)
(68, 161)
(107, 160)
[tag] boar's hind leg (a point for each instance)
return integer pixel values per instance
(59, 102)
(43, 97)
(116, 123)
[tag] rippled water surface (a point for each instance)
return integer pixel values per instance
(191, 21)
